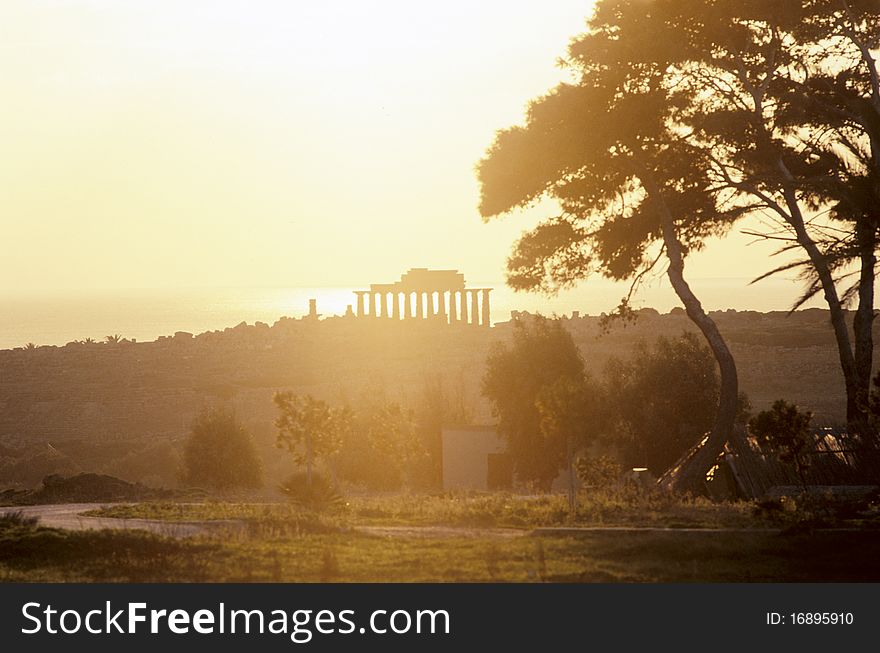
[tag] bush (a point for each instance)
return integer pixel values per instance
(320, 496)
(785, 430)
(17, 519)
(220, 453)
(599, 471)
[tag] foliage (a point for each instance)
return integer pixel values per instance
(568, 409)
(874, 403)
(383, 450)
(519, 376)
(600, 471)
(630, 194)
(220, 453)
(318, 494)
(618, 505)
(17, 519)
(309, 428)
(660, 556)
(785, 430)
(661, 400)
(779, 105)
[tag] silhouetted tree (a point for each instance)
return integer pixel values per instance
(630, 190)
(220, 453)
(569, 416)
(782, 100)
(785, 430)
(661, 400)
(541, 363)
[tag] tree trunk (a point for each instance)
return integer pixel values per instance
(692, 477)
(693, 474)
(819, 262)
(863, 322)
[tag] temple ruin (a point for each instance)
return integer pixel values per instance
(422, 294)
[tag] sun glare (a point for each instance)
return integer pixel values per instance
(242, 143)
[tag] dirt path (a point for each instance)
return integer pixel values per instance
(69, 517)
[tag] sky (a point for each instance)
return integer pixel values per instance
(166, 144)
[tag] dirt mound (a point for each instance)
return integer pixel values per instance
(81, 488)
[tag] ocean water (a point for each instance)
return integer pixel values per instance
(57, 318)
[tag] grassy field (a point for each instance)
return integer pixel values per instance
(449, 539)
(475, 511)
(29, 553)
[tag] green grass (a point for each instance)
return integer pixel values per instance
(29, 553)
(474, 511)
(284, 543)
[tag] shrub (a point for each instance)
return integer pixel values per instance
(220, 453)
(599, 471)
(17, 519)
(320, 496)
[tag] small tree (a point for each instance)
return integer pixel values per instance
(568, 418)
(518, 375)
(785, 430)
(308, 428)
(220, 453)
(383, 450)
(661, 400)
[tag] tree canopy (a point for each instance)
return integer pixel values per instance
(540, 365)
(781, 101)
(309, 428)
(630, 190)
(681, 119)
(660, 401)
(220, 453)
(383, 450)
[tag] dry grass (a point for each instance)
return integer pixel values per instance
(446, 538)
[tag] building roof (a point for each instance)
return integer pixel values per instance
(425, 280)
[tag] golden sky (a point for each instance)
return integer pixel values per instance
(166, 143)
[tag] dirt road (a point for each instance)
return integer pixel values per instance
(69, 516)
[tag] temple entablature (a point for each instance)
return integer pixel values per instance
(423, 294)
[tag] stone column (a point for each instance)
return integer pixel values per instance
(374, 301)
(395, 305)
(486, 315)
(360, 302)
(441, 305)
(453, 308)
(385, 311)
(475, 308)
(429, 313)
(407, 305)
(419, 306)
(462, 298)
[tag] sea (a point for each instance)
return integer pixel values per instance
(56, 318)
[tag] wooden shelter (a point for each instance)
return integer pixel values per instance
(745, 470)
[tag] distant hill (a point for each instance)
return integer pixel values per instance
(85, 399)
